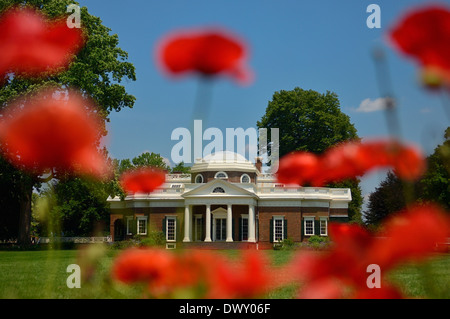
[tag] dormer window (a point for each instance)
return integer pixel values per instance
(218, 190)
(245, 178)
(199, 179)
(221, 175)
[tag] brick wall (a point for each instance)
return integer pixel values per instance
(291, 214)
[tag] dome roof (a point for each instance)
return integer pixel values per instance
(225, 157)
(223, 161)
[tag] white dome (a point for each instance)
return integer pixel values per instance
(225, 157)
(223, 161)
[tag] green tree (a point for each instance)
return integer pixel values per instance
(387, 199)
(97, 71)
(313, 122)
(150, 160)
(180, 168)
(81, 206)
(145, 159)
(435, 184)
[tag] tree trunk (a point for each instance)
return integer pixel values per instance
(25, 213)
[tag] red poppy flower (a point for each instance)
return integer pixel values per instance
(298, 168)
(31, 45)
(209, 52)
(424, 34)
(142, 180)
(349, 160)
(248, 278)
(342, 271)
(44, 132)
(143, 265)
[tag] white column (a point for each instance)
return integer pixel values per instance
(251, 224)
(229, 223)
(187, 223)
(208, 223)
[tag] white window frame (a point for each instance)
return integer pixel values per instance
(246, 175)
(304, 226)
(218, 190)
(129, 219)
(197, 176)
(138, 219)
(275, 218)
(326, 226)
(174, 218)
(221, 172)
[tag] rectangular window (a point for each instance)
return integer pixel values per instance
(198, 228)
(278, 229)
(309, 226)
(142, 225)
(171, 228)
(323, 227)
(129, 221)
(244, 229)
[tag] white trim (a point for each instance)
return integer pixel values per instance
(129, 218)
(245, 175)
(221, 172)
(174, 218)
(275, 218)
(244, 216)
(304, 226)
(311, 203)
(139, 218)
(326, 226)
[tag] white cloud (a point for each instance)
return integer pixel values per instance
(369, 105)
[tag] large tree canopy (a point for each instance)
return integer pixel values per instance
(311, 121)
(307, 120)
(97, 71)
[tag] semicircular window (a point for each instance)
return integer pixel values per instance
(218, 190)
(221, 175)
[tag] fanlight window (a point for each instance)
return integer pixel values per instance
(218, 190)
(245, 178)
(221, 175)
(198, 179)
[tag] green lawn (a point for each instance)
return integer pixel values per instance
(42, 274)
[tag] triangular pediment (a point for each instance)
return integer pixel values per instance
(219, 187)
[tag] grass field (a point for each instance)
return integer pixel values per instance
(42, 274)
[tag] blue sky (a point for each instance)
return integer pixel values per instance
(318, 45)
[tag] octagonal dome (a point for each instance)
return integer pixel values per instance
(224, 161)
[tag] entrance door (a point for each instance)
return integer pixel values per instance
(198, 228)
(220, 229)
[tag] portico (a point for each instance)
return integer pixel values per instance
(218, 199)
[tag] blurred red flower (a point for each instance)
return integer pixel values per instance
(142, 180)
(209, 52)
(424, 34)
(143, 265)
(342, 271)
(193, 273)
(43, 131)
(248, 278)
(349, 160)
(31, 45)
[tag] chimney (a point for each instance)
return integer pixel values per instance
(258, 163)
